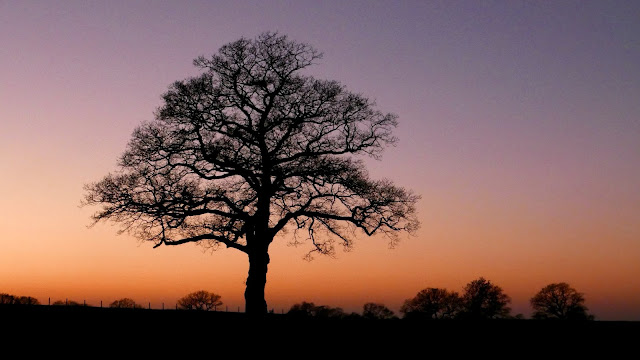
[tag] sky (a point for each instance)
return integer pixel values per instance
(519, 125)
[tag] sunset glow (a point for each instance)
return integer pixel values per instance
(519, 126)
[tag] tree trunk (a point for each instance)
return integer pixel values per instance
(255, 303)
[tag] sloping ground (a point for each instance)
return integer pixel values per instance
(88, 332)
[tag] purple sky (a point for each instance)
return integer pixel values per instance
(519, 126)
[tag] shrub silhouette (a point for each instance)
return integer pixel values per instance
(66, 303)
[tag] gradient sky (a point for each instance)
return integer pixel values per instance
(519, 126)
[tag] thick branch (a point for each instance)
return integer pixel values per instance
(198, 238)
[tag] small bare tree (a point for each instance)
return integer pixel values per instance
(433, 303)
(483, 300)
(8, 299)
(559, 301)
(125, 303)
(376, 311)
(200, 300)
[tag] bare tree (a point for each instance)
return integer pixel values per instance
(200, 300)
(376, 311)
(250, 148)
(302, 310)
(8, 299)
(433, 303)
(559, 301)
(308, 310)
(125, 303)
(28, 300)
(484, 300)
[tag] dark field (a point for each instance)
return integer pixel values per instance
(72, 330)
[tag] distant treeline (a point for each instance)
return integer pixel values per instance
(480, 300)
(6, 299)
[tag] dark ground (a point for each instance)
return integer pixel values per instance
(88, 331)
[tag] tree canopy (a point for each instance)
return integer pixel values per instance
(308, 310)
(483, 300)
(125, 303)
(433, 303)
(249, 148)
(375, 311)
(200, 300)
(559, 301)
(8, 299)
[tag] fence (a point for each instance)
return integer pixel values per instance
(68, 302)
(6, 299)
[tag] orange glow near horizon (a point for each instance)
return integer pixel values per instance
(518, 126)
(107, 268)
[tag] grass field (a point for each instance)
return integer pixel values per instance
(147, 332)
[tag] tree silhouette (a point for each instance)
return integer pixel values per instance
(8, 299)
(377, 312)
(66, 303)
(125, 303)
(559, 301)
(28, 300)
(302, 310)
(200, 300)
(250, 148)
(433, 303)
(307, 310)
(484, 300)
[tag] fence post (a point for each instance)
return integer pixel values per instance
(49, 301)
(162, 306)
(100, 304)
